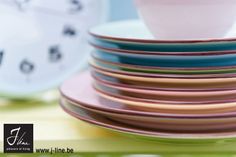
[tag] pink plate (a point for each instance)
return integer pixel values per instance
(79, 90)
(194, 97)
(101, 121)
(167, 124)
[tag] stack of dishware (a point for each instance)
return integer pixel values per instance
(172, 89)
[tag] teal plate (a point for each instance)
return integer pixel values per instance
(160, 70)
(167, 61)
(133, 35)
(97, 67)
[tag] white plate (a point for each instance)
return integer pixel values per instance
(136, 31)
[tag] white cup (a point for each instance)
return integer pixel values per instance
(188, 19)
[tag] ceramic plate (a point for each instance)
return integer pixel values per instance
(102, 121)
(145, 86)
(139, 52)
(133, 35)
(194, 97)
(175, 107)
(167, 61)
(87, 96)
(168, 124)
(169, 83)
(113, 69)
(161, 70)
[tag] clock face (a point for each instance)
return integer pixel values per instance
(43, 42)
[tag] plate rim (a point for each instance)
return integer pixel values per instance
(166, 106)
(94, 65)
(123, 111)
(160, 53)
(93, 33)
(93, 57)
(146, 133)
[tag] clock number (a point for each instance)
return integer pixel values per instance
(55, 54)
(76, 6)
(69, 31)
(1, 57)
(26, 67)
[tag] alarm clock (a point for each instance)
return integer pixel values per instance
(43, 42)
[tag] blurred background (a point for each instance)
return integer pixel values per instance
(48, 118)
(119, 10)
(40, 40)
(122, 9)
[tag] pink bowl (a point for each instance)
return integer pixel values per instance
(188, 19)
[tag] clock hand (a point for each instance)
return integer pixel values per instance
(55, 55)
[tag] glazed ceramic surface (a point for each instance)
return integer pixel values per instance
(161, 70)
(168, 124)
(122, 84)
(152, 86)
(87, 96)
(164, 87)
(102, 121)
(167, 61)
(133, 35)
(175, 107)
(188, 19)
(195, 97)
(168, 83)
(111, 68)
(159, 53)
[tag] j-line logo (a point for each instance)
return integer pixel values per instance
(18, 138)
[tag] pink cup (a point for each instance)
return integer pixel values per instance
(188, 19)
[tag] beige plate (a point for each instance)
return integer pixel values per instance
(180, 107)
(190, 83)
(195, 97)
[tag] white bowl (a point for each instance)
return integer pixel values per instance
(188, 19)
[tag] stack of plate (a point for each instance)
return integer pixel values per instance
(154, 88)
